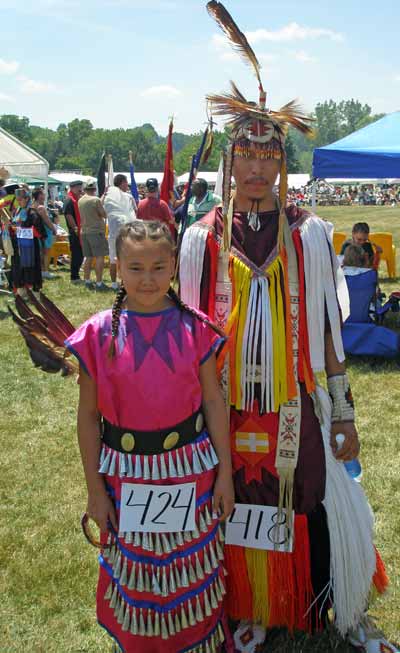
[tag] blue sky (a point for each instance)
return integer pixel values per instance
(121, 63)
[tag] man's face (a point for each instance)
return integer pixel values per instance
(254, 177)
(40, 199)
(77, 191)
(197, 190)
(124, 185)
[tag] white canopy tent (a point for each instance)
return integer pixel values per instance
(142, 177)
(294, 181)
(68, 177)
(19, 159)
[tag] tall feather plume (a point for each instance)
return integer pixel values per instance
(236, 37)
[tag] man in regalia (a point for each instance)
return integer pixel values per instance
(267, 273)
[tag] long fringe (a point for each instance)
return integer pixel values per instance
(350, 523)
(239, 597)
(274, 589)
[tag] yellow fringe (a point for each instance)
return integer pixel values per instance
(278, 334)
(257, 566)
(242, 282)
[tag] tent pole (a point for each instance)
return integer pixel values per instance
(314, 194)
(46, 188)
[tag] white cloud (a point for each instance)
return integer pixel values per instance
(264, 57)
(8, 67)
(6, 98)
(164, 90)
(33, 87)
(293, 32)
(396, 78)
(286, 34)
(304, 57)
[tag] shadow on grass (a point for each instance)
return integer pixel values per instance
(279, 640)
(375, 363)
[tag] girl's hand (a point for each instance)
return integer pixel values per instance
(101, 509)
(224, 496)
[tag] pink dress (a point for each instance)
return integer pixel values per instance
(156, 591)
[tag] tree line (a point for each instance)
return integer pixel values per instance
(78, 145)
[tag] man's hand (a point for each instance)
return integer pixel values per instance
(351, 445)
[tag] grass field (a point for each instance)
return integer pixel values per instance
(48, 572)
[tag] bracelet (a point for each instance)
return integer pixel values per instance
(342, 399)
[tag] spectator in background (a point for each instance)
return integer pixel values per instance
(26, 231)
(38, 198)
(73, 219)
(152, 208)
(3, 191)
(120, 208)
(360, 236)
(355, 260)
(93, 235)
(201, 202)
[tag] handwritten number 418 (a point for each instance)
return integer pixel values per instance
(278, 534)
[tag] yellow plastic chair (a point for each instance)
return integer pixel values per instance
(385, 240)
(59, 248)
(338, 239)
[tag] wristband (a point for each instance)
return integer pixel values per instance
(342, 399)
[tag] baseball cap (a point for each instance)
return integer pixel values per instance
(152, 184)
(90, 185)
(77, 182)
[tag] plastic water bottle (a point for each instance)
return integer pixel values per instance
(353, 467)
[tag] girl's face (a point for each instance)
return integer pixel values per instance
(146, 269)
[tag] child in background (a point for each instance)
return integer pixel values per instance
(27, 233)
(360, 236)
(148, 376)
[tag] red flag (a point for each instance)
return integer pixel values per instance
(167, 186)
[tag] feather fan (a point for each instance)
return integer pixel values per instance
(44, 333)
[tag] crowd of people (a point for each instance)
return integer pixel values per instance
(346, 195)
(92, 222)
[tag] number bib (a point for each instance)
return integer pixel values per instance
(257, 527)
(157, 508)
(25, 232)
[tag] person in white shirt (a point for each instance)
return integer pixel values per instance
(120, 207)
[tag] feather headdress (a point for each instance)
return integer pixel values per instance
(234, 105)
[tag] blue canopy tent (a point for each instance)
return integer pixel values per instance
(369, 153)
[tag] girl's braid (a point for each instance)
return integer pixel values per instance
(116, 313)
(185, 308)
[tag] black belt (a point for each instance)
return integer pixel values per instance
(127, 440)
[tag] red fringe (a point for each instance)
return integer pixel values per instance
(212, 250)
(302, 564)
(304, 364)
(239, 597)
(380, 579)
(289, 579)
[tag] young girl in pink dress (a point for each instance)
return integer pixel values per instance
(151, 413)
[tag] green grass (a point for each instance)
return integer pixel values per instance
(48, 572)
